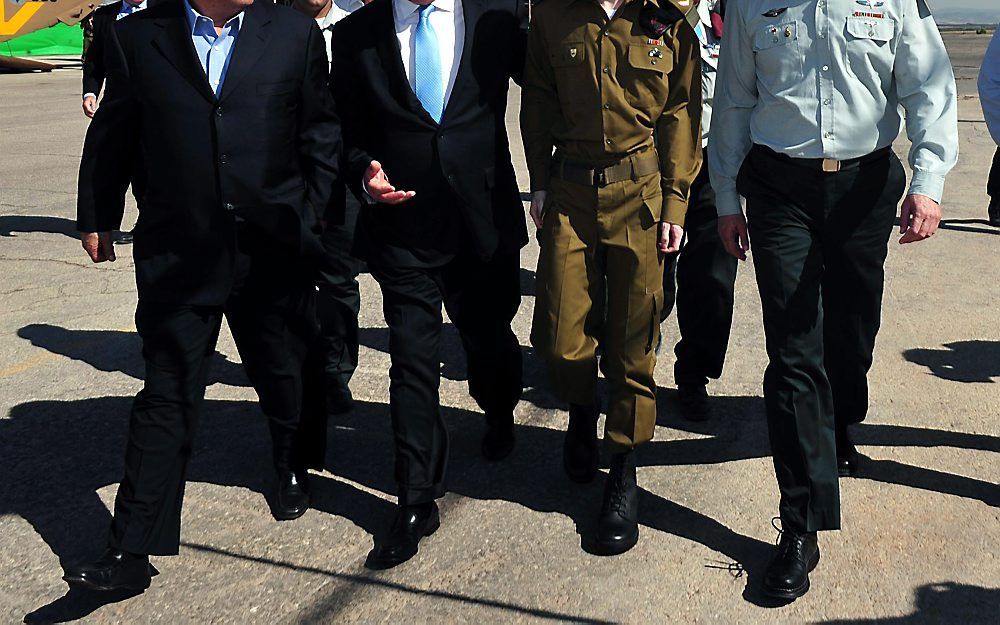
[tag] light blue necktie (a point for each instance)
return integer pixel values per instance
(427, 82)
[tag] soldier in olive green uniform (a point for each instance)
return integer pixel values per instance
(614, 88)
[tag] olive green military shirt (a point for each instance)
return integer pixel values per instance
(597, 89)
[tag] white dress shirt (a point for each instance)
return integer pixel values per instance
(709, 65)
(448, 21)
(989, 87)
(338, 11)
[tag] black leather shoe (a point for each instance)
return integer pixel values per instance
(292, 498)
(693, 400)
(411, 524)
(847, 454)
(787, 576)
(123, 238)
(498, 441)
(618, 526)
(580, 452)
(115, 570)
(339, 399)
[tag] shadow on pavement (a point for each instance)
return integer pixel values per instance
(11, 224)
(323, 609)
(949, 602)
(116, 351)
(962, 361)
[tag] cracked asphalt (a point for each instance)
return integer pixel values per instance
(921, 528)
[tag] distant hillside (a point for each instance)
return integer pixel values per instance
(967, 16)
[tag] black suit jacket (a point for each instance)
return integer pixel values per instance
(95, 63)
(466, 192)
(265, 151)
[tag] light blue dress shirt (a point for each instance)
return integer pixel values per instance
(831, 79)
(989, 87)
(214, 50)
(128, 9)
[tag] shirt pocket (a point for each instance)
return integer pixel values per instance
(646, 84)
(573, 78)
(776, 49)
(879, 30)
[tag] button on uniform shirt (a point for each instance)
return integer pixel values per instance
(338, 11)
(597, 89)
(989, 87)
(830, 79)
(214, 50)
(448, 21)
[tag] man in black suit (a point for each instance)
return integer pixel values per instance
(227, 104)
(422, 92)
(94, 59)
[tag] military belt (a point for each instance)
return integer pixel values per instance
(827, 165)
(632, 167)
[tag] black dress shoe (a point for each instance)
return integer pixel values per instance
(292, 498)
(411, 524)
(580, 452)
(123, 238)
(693, 400)
(618, 526)
(498, 441)
(339, 399)
(115, 570)
(847, 454)
(787, 576)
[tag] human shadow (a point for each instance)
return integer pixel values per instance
(116, 351)
(969, 225)
(56, 455)
(738, 431)
(961, 361)
(10, 225)
(531, 477)
(949, 602)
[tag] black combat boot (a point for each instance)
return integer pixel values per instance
(618, 526)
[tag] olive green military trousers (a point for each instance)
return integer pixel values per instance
(600, 282)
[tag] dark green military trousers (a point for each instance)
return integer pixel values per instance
(819, 246)
(600, 282)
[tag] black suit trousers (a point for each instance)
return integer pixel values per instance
(272, 319)
(481, 299)
(339, 299)
(819, 245)
(700, 279)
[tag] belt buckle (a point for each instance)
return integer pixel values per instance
(830, 165)
(600, 178)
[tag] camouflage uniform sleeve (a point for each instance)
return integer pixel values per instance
(539, 107)
(678, 131)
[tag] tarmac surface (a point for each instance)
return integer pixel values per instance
(921, 528)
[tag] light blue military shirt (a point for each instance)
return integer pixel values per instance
(214, 50)
(831, 79)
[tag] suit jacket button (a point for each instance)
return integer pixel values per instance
(218, 111)
(229, 207)
(224, 159)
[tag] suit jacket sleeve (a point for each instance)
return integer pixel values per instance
(355, 117)
(520, 41)
(111, 143)
(94, 71)
(318, 129)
